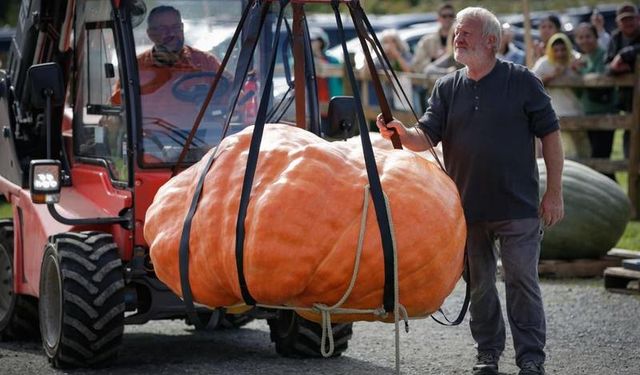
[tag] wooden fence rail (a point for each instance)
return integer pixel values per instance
(625, 121)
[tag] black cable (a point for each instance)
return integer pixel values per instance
(183, 252)
(375, 186)
(252, 162)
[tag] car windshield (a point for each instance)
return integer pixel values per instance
(180, 46)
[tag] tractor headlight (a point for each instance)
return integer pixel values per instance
(44, 181)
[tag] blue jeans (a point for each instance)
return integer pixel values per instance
(519, 247)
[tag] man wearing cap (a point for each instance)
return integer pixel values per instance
(621, 54)
(625, 40)
(431, 46)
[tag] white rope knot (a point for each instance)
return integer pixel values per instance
(327, 332)
(325, 311)
(380, 312)
(405, 316)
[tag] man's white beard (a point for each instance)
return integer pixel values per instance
(467, 57)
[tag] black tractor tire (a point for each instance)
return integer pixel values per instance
(18, 313)
(296, 337)
(235, 321)
(82, 300)
(217, 320)
(209, 320)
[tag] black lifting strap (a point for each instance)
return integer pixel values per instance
(359, 17)
(212, 89)
(389, 72)
(385, 108)
(252, 161)
(378, 47)
(355, 8)
(183, 251)
(467, 298)
(372, 174)
(250, 36)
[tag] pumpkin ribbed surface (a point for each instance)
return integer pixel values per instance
(303, 223)
(596, 214)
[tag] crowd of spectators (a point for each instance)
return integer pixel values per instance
(590, 49)
(595, 52)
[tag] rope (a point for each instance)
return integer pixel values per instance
(396, 297)
(372, 170)
(400, 312)
(324, 310)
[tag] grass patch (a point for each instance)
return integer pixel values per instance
(5, 210)
(616, 154)
(631, 237)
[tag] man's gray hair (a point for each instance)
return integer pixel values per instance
(490, 23)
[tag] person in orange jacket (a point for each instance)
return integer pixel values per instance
(168, 59)
(174, 81)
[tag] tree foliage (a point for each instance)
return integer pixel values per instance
(9, 12)
(497, 6)
(9, 8)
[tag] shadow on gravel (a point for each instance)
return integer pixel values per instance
(240, 351)
(243, 351)
(21, 347)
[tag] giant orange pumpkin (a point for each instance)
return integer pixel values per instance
(303, 223)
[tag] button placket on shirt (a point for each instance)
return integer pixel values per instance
(477, 97)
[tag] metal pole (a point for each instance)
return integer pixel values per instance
(527, 34)
(634, 147)
(299, 65)
(48, 93)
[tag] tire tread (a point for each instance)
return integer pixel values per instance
(93, 289)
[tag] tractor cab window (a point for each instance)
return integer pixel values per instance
(180, 47)
(100, 131)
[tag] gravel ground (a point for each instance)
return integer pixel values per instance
(590, 331)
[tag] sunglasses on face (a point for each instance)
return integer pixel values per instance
(448, 15)
(166, 29)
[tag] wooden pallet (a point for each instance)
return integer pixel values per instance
(631, 264)
(582, 267)
(571, 268)
(623, 253)
(622, 280)
(576, 267)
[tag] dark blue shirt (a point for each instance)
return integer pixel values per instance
(487, 129)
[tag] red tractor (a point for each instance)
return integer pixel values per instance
(88, 137)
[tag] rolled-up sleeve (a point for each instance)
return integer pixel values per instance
(537, 105)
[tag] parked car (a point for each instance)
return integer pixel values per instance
(569, 18)
(574, 16)
(411, 35)
(327, 22)
(518, 36)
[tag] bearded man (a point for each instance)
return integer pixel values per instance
(487, 116)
